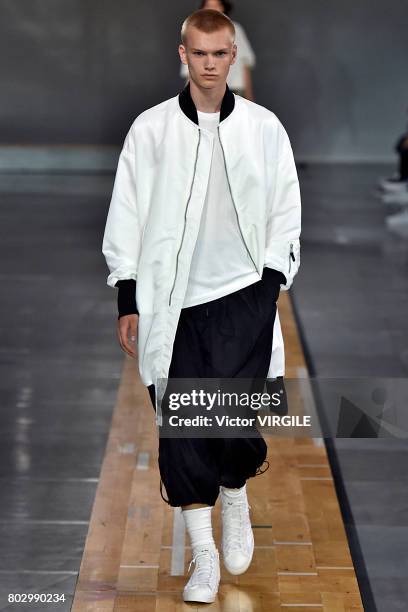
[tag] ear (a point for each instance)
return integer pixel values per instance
(183, 54)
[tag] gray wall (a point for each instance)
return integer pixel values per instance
(79, 71)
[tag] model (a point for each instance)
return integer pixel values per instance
(203, 230)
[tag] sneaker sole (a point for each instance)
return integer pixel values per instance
(241, 570)
(191, 598)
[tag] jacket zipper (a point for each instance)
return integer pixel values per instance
(236, 212)
(185, 215)
(291, 255)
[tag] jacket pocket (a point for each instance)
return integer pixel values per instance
(293, 261)
(284, 255)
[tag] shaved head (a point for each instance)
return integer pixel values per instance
(208, 21)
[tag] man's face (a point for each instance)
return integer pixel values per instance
(209, 56)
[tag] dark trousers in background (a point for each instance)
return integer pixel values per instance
(224, 338)
(403, 166)
(402, 148)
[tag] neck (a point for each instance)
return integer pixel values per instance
(207, 100)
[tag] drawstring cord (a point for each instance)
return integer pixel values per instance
(259, 471)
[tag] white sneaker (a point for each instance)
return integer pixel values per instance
(204, 581)
(393, 183)
(237, 534)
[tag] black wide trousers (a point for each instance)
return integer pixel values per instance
(224, 338)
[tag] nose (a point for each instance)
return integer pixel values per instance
(209, 64)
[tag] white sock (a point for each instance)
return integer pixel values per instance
(234, 492)
(198, 525)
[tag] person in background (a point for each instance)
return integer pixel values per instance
(239, 78)
(399, 182)
(402, 148)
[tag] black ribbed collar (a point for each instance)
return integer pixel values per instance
(189, 109)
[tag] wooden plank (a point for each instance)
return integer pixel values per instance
(301, 562)
(99, 570)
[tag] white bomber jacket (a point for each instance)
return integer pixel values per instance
(157, 200)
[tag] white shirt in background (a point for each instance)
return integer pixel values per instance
(220, 264)
(245, 57)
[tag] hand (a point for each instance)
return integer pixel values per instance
(272, 280)
(127, 328)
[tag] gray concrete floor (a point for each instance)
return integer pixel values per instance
(60, 367)
(351, 297)
(59, 371)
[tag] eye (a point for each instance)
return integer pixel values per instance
(198, 53)
(221, 53)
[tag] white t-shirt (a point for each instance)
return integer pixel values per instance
(245, 57)
(220, 263)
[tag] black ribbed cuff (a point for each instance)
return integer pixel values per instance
(127, 291)
(126, 297)
(275, 275)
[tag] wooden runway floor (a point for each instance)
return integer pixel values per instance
(137, 552)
